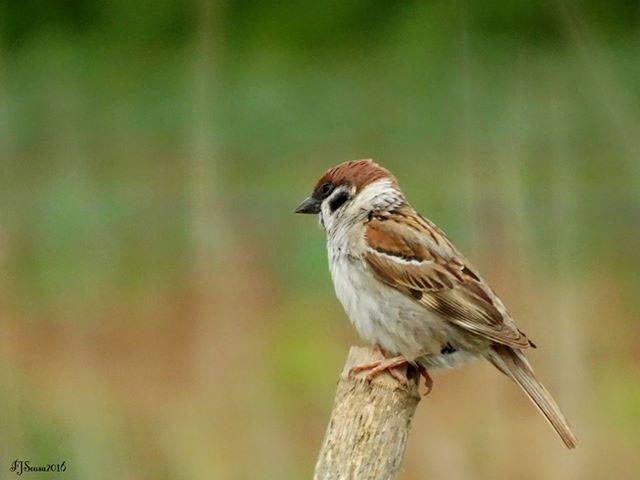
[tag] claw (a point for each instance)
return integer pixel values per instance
(396, 373)
(428, 381)
(392, 365)
(364, 366)
(379, 366)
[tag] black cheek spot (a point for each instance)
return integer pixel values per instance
(338, 201)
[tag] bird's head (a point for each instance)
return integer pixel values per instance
(348, 192)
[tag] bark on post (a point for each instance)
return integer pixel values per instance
(369, 425)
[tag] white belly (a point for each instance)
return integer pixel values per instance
(384, 316)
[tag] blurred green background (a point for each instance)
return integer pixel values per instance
(163, 313)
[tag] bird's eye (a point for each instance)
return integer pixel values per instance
(326, 188)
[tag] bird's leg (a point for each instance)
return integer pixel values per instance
(387, 364)
(370, 365)
(428, 381)
(390, 365)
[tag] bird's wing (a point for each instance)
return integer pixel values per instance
(412, 255)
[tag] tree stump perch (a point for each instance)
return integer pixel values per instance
(369, 425)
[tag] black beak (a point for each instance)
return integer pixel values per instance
(309, 205)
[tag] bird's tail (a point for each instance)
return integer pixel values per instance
(514, 364)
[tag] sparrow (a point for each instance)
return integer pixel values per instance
(409, 291)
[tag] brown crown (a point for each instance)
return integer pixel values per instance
(359, 173)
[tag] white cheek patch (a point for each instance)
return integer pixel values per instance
(378, 194)
(375, 196)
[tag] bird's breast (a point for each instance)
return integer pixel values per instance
(382, 315)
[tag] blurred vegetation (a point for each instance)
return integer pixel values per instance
(164, 315)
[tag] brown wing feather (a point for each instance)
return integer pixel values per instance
(410, 254)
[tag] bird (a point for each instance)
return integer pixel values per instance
(409, 292)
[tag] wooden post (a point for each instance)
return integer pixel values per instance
(369, 425)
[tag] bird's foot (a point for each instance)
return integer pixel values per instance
(428, 381)
(391, 365)
(394, 366)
